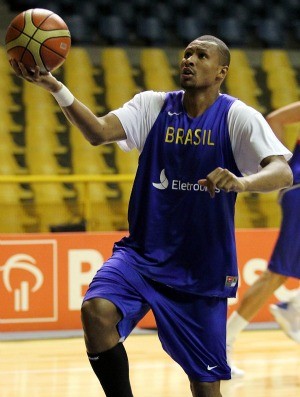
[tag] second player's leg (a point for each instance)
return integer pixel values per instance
(259, 292)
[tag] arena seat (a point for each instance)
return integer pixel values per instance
(13, 216)
(232, 31)
(80, 75)
(188, 28)
(112, 30)
(272, 59)
(120, 85)
(240, 71)
(80, 30)
(9, 164)
(271, 33)
(151, 31)
(51, 205)
(158, 73)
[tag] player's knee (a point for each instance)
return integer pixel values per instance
(99, 314)
(205, 389)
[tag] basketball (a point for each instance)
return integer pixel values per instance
(38, 37)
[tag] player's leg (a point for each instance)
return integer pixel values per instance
(252, 301)
(107, 357)
(205, 389)
(254, 298)
(107, 304)
(283, 264)
(287, 315)
(192, 330)
(285, 259)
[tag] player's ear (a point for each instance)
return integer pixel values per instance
(223, 69)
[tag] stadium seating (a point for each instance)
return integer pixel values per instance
(140, 22)
(232, 30)
(151, 31)
(241, 71)
(158, 73)
(13, 216)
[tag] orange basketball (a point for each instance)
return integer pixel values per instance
(38, 37)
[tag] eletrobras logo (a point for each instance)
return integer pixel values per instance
(177, 184)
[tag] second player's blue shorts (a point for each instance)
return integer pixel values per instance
(285, 259)
(191, 328)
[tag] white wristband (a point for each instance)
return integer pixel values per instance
(64, 97)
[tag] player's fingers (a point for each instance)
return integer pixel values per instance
(202, 182)
(209, 185)
(25, 73)
(15, 66)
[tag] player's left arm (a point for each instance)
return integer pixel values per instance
(275, 174)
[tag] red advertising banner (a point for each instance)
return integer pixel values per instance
(43, 277)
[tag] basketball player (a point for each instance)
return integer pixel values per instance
(198, 149)
(285, 259)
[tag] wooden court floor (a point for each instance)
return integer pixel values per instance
(59, 368)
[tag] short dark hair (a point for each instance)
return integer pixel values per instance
(222, 47)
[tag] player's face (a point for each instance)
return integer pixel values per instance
(200, 66)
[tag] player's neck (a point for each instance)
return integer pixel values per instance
(195, 103)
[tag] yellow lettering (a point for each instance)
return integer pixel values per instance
(170, 135)
(189, 137)
(209, 142)
(204, 137)
(197, 136)
(180, 135)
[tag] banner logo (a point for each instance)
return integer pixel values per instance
(28, 271)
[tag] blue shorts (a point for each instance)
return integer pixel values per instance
(191, 328)
(285, 259)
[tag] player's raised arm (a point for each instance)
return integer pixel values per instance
(285, 115)
(97, 130)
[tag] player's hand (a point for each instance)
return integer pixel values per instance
(222, 179)
(45, 79)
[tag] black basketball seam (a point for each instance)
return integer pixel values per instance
(37, 28)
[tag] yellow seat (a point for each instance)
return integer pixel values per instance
(242, 76)
(158, 73)
(51, 205)
(111, 56)
(291, 135)
(275, 59)
(245, 94)
(43, 162)
(37, 132)
(8, 142)
(282, 97)
(239, 59)
(80, 70)
(8, 120)
(120, 85)
(9, 164)
(116, 97)
(285, 78)
(13, 216)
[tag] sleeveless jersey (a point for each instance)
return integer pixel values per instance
(178, 234)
